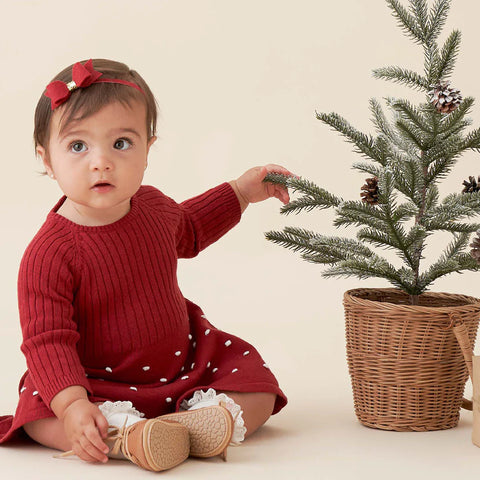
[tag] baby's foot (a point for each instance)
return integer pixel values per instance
(210, 429)
(153, 444)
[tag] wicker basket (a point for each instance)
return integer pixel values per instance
(409, 364)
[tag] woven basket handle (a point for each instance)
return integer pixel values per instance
(461, 332)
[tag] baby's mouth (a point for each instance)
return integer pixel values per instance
(102, 186)
(102, 183)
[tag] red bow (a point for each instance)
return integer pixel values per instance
(82, 76)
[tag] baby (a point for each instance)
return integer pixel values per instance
(120, 364)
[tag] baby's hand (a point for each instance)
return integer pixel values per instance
(84, 426)
(252, 188)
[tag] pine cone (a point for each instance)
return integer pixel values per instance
(370, 195)
(472, 186)
(444, 98)
(475, 251)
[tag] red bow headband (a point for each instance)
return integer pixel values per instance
(82, 76)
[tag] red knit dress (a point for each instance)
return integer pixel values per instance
(101, 307)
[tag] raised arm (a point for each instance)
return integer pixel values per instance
(206, 218)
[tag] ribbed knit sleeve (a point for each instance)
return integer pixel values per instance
(205, 218)
(45, 298)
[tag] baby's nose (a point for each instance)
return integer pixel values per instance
(101, 162)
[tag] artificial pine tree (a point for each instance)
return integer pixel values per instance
(407, 159)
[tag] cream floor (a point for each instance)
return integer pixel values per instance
(310, 440)
(317, 436)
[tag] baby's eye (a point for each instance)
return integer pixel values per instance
(77, 147)
(122, 144)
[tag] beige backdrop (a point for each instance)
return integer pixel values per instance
(238, 83)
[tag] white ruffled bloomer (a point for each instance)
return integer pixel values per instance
(202, 399)
(116, 413)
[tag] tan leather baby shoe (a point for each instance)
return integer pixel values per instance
(154, 444)
(210, 429)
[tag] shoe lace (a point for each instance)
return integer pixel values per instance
(120, 435)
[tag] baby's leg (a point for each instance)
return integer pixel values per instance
(257, 407)
(48, 432)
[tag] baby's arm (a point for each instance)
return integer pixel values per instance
(207, 217)
(203, 219)
(243, 201)
(83, 422)
(46, 288)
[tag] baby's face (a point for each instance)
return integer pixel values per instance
(99, 161)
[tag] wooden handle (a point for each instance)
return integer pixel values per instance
(461, 333)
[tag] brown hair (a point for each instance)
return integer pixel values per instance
(84, 102)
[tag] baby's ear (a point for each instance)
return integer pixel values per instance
(151, 142)
(40, 151)
(44, 158)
